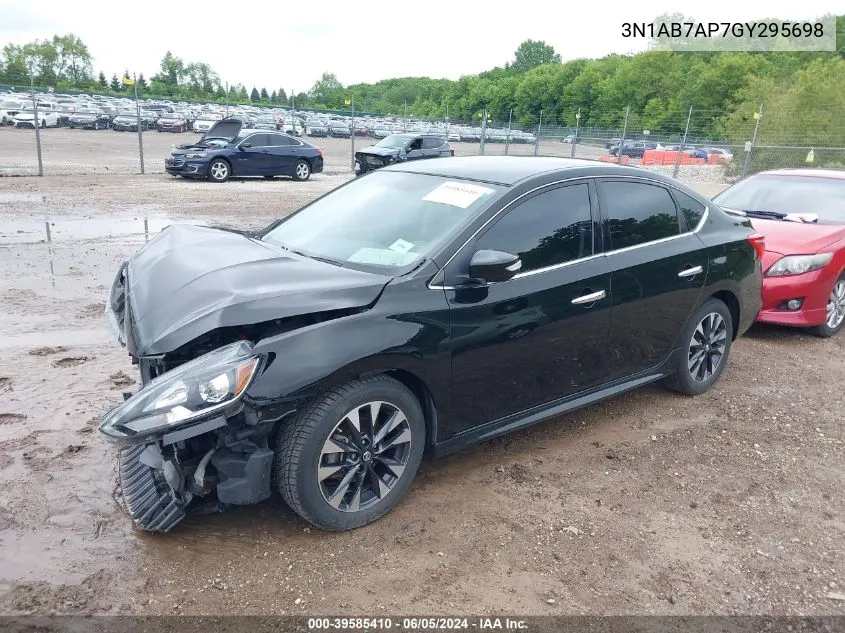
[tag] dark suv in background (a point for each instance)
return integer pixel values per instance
(398, 148)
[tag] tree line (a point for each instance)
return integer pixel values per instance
(803, 92)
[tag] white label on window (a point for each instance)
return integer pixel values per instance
(401, 246)
(457, 194)
(382, 257)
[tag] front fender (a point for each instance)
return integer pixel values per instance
(304, 362)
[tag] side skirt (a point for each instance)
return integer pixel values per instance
(549, 410)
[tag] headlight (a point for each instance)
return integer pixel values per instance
(798, 264)
(196, 155)
(206, 384)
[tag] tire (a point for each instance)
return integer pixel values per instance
(96, 125)
(43, 124)
(302, 445)
(709, 350)
(302, 170)
(836, 320)
(219, 170)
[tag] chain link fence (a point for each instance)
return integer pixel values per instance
(70, 135)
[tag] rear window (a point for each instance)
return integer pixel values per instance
(691, 209)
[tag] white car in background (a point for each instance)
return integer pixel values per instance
(206, 121)
(47, 116)
(454, 135)
(8, 109)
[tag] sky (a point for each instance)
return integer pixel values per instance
(289, 45)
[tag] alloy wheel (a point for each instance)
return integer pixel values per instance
(836, 305)
(302, 171)
(707, 347)
(219, 170)
(364, 456)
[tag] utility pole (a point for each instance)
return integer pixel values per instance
(35, 122)
(575, 140)
(757, 116)
(227, 99)
(683, 142)
(352, 131)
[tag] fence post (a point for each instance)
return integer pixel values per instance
(681, 150)
(757, 115)
(575, 140)
(140, 133)
(622, 140)
(35, 122)
(539, 130)
(508, 138)
(483, 131)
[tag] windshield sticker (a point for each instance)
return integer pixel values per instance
(382, 257)
(401, 246)
(457, 194)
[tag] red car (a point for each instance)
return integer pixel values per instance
(801, 213)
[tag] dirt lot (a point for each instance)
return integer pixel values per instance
(651, 503)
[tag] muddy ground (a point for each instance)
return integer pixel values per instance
(651, 503)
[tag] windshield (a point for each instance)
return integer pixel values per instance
(86, 111)
(384, 222)
(266, 119)
(393, 142)
(824, 197)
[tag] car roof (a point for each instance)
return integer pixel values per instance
(836, 174)
(509, 170)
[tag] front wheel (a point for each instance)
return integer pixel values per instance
(219, 171)
(350, 456)
(43, 123)
(302, 171)
(705, 347)
(835, 313)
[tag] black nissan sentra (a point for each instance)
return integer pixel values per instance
(420, 308)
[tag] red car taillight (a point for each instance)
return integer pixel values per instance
(759, 243)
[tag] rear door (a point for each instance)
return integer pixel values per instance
(283, 153)
(658, 267)
(433, 147)
(542, 334)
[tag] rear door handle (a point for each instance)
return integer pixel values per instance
(691, 272)
(590, 298)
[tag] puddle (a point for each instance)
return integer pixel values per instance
(71, 229)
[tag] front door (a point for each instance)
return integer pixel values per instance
(252, 157)
(540, 335)
(658, 267)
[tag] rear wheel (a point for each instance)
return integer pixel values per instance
(219, 171)
(302, 171)
(706, 345)
(835, 313)
(350, 456)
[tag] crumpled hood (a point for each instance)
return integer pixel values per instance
(379, 151)
(189, 280)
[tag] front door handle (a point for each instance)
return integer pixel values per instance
(590, 298)
(691, 272)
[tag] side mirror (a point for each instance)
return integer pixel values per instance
(244, 146)
(494, 266)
